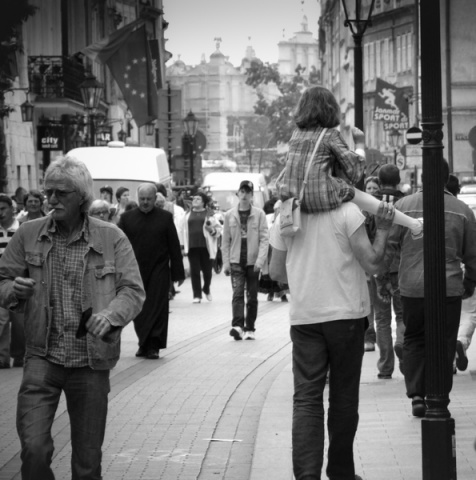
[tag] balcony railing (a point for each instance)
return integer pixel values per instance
(55, 77)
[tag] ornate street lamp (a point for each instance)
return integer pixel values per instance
(190, 123)
(91, 92)
(361, 11)
(26, 109)
(394, 142)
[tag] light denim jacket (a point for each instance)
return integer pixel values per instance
(460, 247)
(257, 238)
(111, 285)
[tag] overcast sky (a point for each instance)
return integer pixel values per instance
(193, 25)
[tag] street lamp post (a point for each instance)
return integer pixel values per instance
(395, 142)
(190, 123)
(91, 91)
(362, 10)
(438, 428)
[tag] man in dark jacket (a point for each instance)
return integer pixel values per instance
(460, 246)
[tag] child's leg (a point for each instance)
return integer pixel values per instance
(371, 204)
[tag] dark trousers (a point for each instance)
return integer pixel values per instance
(86, 392)
(414, 342)
(244, 276)
(337, 347)
(199, 260)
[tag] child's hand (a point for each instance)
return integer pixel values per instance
(358, 136)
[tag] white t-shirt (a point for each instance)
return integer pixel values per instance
(325, 279)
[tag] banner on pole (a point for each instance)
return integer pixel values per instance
(391, 106)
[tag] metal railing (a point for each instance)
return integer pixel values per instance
(55, 76)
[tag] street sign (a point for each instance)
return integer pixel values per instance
(400, 161)
(413, 151)
(414, 135)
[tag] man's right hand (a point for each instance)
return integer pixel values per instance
(227, 271)
(23, 287)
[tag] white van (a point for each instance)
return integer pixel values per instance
(118, 165)
(224, 185)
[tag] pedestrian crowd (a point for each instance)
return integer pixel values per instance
(75, 270)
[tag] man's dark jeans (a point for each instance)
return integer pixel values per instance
(337, 347)
(86, 394)
(244, 275)
(414, 343)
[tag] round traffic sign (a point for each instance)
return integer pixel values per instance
(400, 160)
(414, 135)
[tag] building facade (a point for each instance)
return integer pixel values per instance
(50, 70)
(391, 53)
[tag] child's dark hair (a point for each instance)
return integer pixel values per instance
(389, 175)
(317, 107)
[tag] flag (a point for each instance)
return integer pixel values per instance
(127, 54)
(391, 107)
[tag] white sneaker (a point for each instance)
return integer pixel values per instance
(237, 333)
(209, 297)
(197, 300)
(249, 335)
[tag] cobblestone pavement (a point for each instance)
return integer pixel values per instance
(213, 408)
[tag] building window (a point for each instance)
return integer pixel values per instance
(378, 59)
(372, 60)
(409, 51)
(399, 54)
(366, 61)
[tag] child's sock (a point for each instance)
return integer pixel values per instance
(370, 204)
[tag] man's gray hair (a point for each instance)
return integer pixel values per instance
(147, 186)
(76, 172)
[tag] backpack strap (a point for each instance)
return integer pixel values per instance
(308, 169)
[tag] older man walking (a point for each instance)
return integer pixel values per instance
(153, 236)
(78, 282)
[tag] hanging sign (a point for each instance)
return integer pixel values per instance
(391, 107)
(49, 137)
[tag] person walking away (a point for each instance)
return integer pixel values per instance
(154, 238)
(77, 281)
(245, 252)
(372, 187)
(325, 265)
(388, 293)
(460, 242)
(200, 232)
(266, 285)
(12, 335)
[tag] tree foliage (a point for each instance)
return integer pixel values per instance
(280, 110)
(14, 13)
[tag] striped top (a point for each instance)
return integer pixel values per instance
(7, 234)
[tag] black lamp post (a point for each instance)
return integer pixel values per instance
(26, 109)
(190, 123)
(438, 428)
(91, 91)
(395, 141)
(362, 12)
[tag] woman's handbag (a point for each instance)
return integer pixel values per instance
(218, 262)
(290, 210)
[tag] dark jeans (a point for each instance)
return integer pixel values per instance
(414, 343)
(199, 260)
(383, 324)
(86, 394)
(337, 347)
(370, 335)
(241, 276)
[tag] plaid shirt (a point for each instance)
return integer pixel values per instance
(67, 260)
(334, 172)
